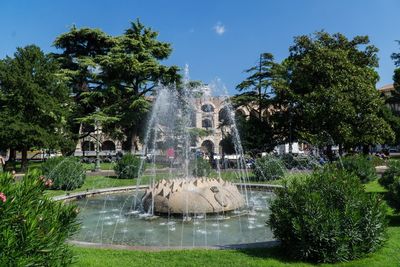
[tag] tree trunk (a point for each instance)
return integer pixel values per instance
(12, 158)
(24, 160)
(365, 149)
(13, 155)
(340, 150)
(329, 153)
(134, 143)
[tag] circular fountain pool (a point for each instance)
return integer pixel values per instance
(109, 219)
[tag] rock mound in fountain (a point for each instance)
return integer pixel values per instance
(193, 195)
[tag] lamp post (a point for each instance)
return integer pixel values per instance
(97, 164)
(290, 128)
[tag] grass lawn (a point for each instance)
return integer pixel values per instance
(374, 187)
(95, 182)
(389, 255)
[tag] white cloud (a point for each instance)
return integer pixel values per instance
(219, 28)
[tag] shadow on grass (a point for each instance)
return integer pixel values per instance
(394, 220)
(276, 253)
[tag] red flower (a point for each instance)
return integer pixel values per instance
(48, 183)
(3, 197)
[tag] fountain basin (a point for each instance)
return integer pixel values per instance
(110, 219)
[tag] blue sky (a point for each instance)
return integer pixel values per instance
(216, 38)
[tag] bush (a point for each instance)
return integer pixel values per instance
(376, 161)
(361, 166)
(393, 194)
(268, 168)
(300, 162)
(328, 217)
(127, 167)
(33, 228)
(200, 167)
(67, 173)
(389, 175)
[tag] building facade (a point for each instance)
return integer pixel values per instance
(208, 113)
(387, 91)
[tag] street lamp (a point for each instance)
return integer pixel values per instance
(97, 164)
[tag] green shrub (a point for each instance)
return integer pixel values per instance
(128, 167)
(67, 173)
(200, 167)
(300, 162)
(393, 194)
(376, 161)
(268, 168)
(327, 217)
(389, 175)
(33, 228)
(361, 166)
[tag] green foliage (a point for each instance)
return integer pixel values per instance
(377, 161)
(33, 228)
(67, 173)
(360, 165)
(116, 73)
(256, 135)
(256, 94)
(128, 167)
(34, 101)
(200, 167)
(328, 86)
(396, 76)
(389, 175)
(393, 194)
(328, 217)
(299, 162)
(268, 168)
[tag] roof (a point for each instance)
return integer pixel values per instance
(386, 88)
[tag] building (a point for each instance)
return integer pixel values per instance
(387, 91)
(209, 112)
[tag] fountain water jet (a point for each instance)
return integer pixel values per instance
(170, 126)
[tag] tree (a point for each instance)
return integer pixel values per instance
(132, 70)
(120, 73)
(80, 49)
(329, 86)
(392, 114)
(34, 102)
(257, 95)
(396, 75)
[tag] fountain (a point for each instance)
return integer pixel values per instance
(180, 205)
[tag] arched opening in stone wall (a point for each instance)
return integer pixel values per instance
(239, 113)
(207, 147)
(223, 116)
(207, 108)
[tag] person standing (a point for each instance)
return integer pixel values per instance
(2, 163)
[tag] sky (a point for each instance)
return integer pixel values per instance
(217, 39)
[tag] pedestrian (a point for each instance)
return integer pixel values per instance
(2, 164)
